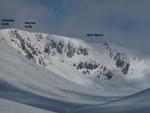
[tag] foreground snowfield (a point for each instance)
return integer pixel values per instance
(138, 103)
(7, 106)
(28, 87)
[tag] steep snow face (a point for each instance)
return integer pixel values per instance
(98, 66)
(48, 51)
(17, 72)
(59, 54)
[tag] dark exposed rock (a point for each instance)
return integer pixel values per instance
(87, 65)
(74, 65)
(54, 53)
(80, 65)
(22, 42)
(86, 72)
(53, 44)
(90, 65)
(46, 48)
(82, 50)
(121, 62)
(60, 47)
(126, 68)
(39, 52)
(70, 50)
(102, 70)
(12, 40)
(41, 61)
(39, 37)
(29, 55)
(32, 49)
(108, 74)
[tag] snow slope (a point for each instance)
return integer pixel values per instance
(24, 82)
(16, 70)
(102, 66)
(61, 74)
(7, 106)
(139, 103)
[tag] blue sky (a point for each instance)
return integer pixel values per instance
(124, 22)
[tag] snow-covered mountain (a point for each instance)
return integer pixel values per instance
(50, 71)
(63, 55)
(85, 64)
(51, 51)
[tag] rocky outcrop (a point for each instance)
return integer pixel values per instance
(39, 37)
(121, 62)
(69, 49)
(88, 67)
(27, 48)
(53, 47)
(60, 47)
(82, 51)
(120, 59)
